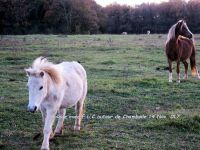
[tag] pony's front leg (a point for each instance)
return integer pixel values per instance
(170, 70)
(47, 131)
(44, 114)
(178, 71)
(186, 69)
(60, 127)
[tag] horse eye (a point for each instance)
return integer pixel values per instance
(41, 88)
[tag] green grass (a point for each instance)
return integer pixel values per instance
(126, 76)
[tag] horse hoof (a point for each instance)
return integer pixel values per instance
(59, 133)
(77, 128)
(170, 81)
(51, 136)
(178, 81)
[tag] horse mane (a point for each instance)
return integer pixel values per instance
(171, 33)
(172, 30)
(42, 64)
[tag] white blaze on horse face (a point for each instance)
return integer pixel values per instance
(36, 92)
(170, 76)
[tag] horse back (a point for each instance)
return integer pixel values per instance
(73, 69)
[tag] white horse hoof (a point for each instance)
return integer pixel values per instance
(185, 78)
(170, 81)
(45, 149)
(59, 133)
(77, 128)
(178, 81)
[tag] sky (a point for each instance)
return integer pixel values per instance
(127, 2)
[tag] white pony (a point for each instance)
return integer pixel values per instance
(53, 88)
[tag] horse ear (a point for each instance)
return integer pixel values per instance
(182, 21)
(179, 24)
(42, 74)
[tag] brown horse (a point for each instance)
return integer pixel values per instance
(180, 47)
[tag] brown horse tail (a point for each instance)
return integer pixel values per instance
(193, 63)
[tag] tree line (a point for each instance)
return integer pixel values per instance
(87, 17)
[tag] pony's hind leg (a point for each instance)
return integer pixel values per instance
(193, 65)
(178, 71)
(170, 70)
(79, 114)
(186, 69)
(60, 127)
(197, 73)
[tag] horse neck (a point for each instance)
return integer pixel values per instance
(52, 87)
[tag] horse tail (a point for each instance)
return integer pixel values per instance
(193, 62)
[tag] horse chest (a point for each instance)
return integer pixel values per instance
(173, 54)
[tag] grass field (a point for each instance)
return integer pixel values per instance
(127, 79)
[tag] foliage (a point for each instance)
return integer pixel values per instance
(87, 17)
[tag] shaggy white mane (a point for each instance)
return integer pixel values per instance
(171, 33)
(42, 64)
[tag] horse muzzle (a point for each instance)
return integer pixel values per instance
(191, 36)
(32, 109)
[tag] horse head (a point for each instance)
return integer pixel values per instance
(37, 89)
(183, 30)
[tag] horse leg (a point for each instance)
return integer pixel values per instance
(193, 65)
(44, 114)
(60, 127)
(79, 108)
(178, 71)
(198, 76)
(48, 128)
(170, 70)
(79, 114)
(186, 69)
(197, 72)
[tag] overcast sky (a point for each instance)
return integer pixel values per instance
(127, 2)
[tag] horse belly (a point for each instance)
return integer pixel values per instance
(186, 53)
(72, 94)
